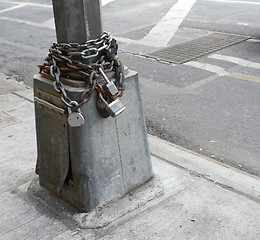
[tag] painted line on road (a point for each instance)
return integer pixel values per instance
(13, 7)
(208, 67)
(239, 61)
(234, 1)
(28, 22)
(220, 72)
(166, 27)
(27, 3)
(125, 40)
(105, 2)
(253, 40)
(19, 4)
(47, 24)
(245, 77)
(163, 31)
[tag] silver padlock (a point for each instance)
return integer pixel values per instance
(114, 108)
(110, 85)
(75, 119)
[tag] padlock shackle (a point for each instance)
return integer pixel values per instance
(103, 75)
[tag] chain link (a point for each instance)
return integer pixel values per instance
(63, 60)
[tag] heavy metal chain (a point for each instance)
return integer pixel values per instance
(64, 60)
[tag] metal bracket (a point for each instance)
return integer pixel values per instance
(49, 105)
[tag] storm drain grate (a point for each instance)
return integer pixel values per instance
(190, 50)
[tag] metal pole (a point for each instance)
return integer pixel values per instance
(77, 21)
(70, 163)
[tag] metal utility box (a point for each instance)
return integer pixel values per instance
(104, 159)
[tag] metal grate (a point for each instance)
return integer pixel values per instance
(190, 50)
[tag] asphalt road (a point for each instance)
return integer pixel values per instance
(209, 105)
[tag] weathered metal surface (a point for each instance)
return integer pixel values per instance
(107, 157)
(52, 143)
(49, 98)
(77, 20)
(132, 137)
(190, 50)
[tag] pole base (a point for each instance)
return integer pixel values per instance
(101, 161)
(101, 216)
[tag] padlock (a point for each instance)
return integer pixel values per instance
(101, 106)
(112, 109)
(119, 74)
(111, 87)
(75, 119)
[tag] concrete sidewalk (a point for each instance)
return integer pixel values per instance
(202, 199)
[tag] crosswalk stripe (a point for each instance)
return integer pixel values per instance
(164, 30)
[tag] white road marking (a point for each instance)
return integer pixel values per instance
(239, 61)
(253, 40)
(234, 1)
(135, 28)
(219, 71)
(28, 22)
(159, 36)
(208, 67)
(105, 2)
(47, 24)
(125, 40)
(243, 24)
(26, 3)
(162, 32)
(19, 4)
(13, 7)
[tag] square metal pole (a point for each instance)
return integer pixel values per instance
(77, 21)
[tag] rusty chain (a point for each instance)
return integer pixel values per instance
(64, 60)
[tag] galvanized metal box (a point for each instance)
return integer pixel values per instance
(104, 159)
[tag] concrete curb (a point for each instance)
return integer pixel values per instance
(216, 172)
